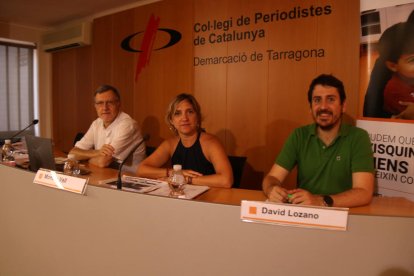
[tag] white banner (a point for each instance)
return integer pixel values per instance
(60, 181)
(393, 146)
(295, 215)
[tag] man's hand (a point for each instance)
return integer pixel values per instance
(107, 150)
(272, 184)
(276, 193)
(300, 196)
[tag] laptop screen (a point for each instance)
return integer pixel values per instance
(40, 152)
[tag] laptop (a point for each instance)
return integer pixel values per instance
(40, 151)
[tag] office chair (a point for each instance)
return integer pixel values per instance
(237, 164)
(78, 136)
(149, 150)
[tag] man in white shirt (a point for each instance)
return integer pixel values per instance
(113, 135)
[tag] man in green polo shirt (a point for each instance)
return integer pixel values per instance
(334, 160)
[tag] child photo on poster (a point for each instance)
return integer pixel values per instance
(390, 92)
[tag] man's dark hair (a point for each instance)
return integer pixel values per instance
(105, 87)
(327, 80)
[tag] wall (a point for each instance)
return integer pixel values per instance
(251, 106)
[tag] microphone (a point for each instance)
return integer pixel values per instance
(31, 124)
(119, 181)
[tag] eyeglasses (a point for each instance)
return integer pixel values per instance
(103, 103)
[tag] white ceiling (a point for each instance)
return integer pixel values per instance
(52, 13)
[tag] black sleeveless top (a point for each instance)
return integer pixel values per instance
(192, 158)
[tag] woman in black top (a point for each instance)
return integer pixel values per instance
(201, 154)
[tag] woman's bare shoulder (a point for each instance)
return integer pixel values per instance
(170, 142)
(209, 139)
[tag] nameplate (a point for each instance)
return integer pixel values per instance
(295, 215)
(60, 181)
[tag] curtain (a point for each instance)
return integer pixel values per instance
(16, 87)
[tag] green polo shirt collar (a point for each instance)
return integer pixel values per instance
(343, 131)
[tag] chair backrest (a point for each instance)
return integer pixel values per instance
(78, 136)
(149, 150)
(237, 164)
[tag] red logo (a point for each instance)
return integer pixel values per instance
(147, 43)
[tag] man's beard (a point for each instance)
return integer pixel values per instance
(330, 126)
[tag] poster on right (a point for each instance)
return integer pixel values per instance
(387, 92)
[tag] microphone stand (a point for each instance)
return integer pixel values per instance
(119, 181)
(32, 124)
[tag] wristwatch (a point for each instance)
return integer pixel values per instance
(327, 200)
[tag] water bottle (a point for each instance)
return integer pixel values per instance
(7, 151)
(177, 181)
(71, 166)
